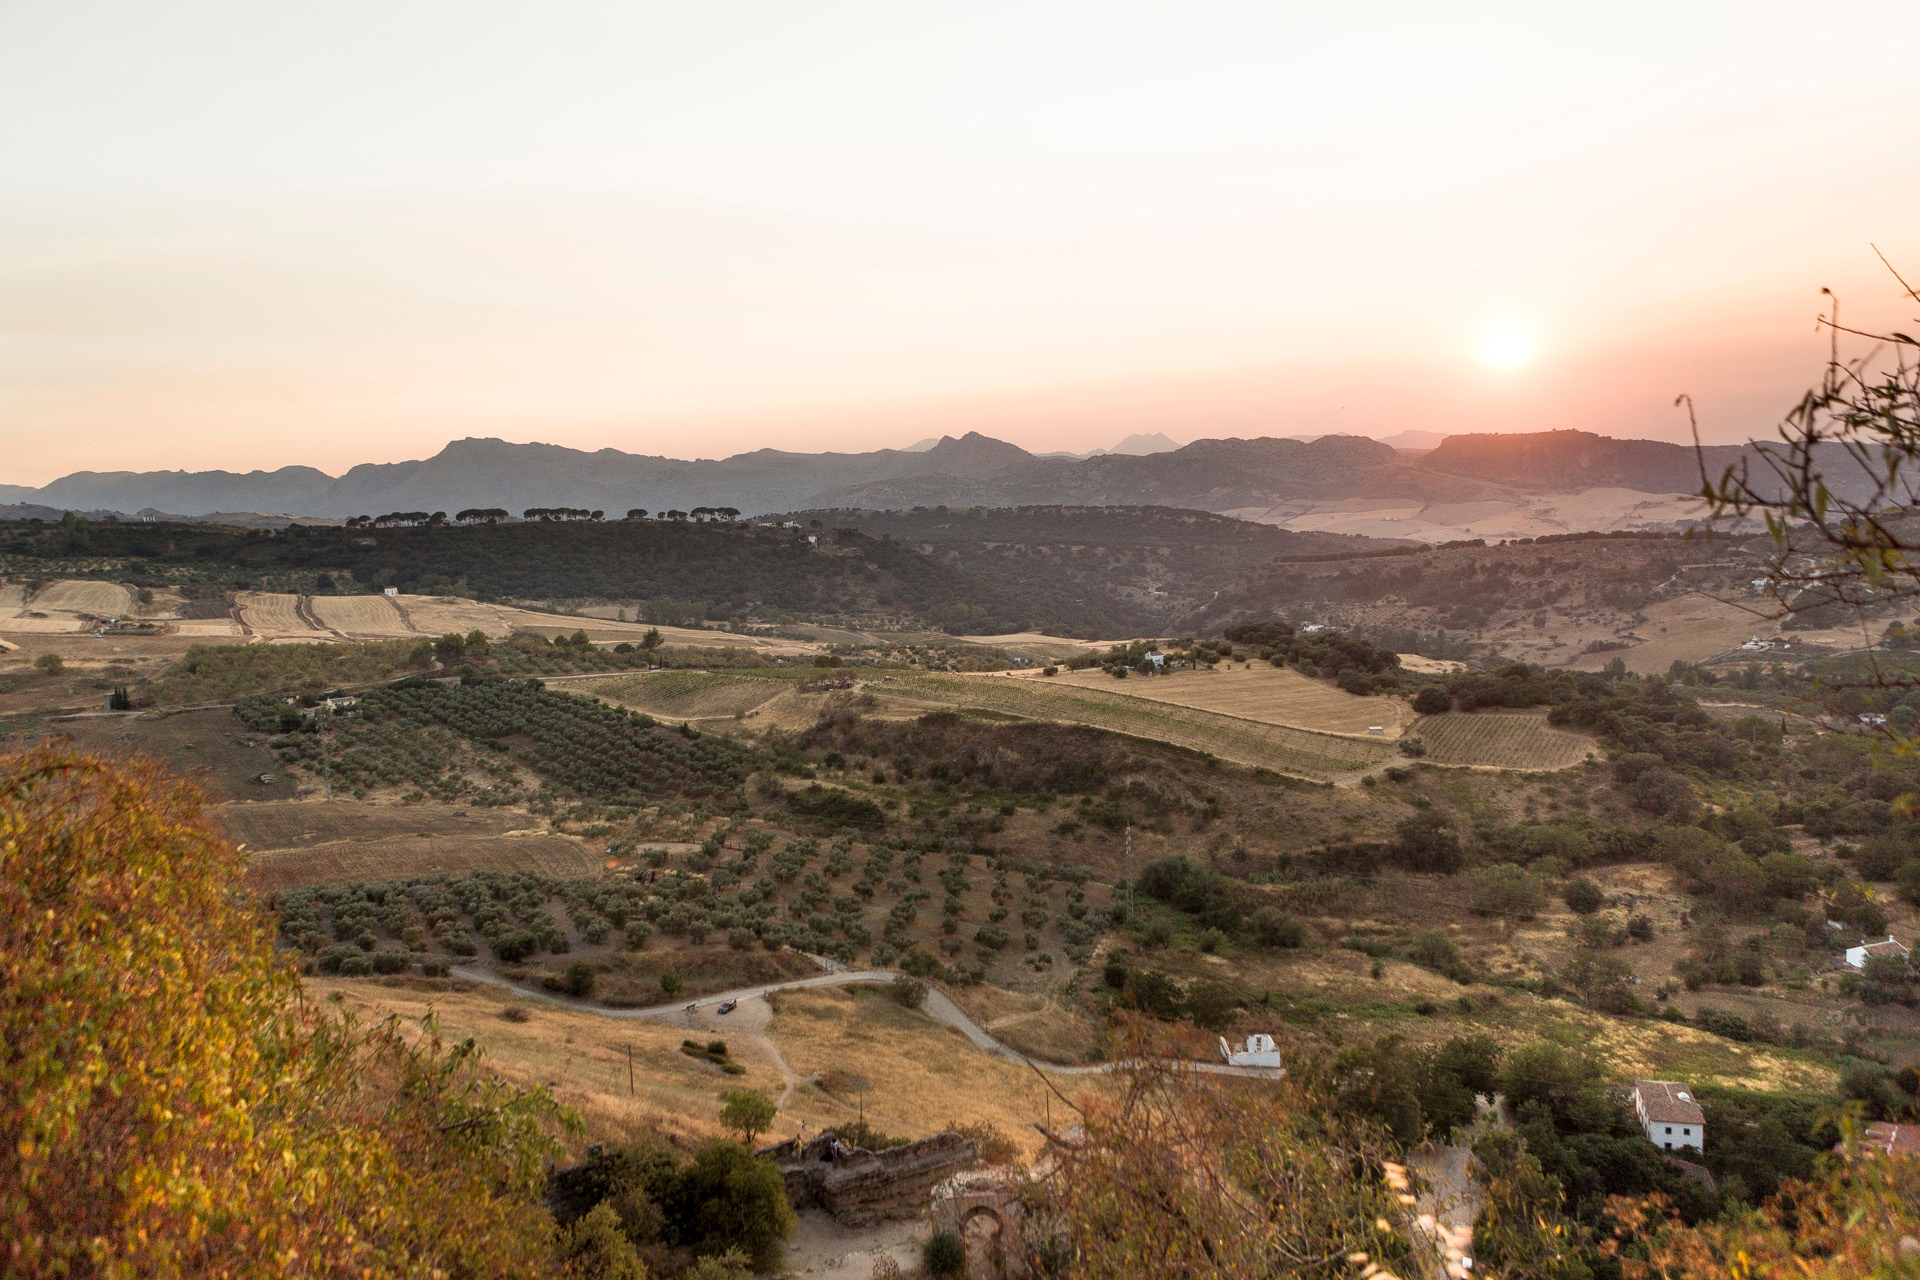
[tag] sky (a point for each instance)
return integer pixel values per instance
(240, 236)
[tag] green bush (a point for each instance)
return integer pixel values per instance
(1584, 897)
(1275, 928)
(943, 1255)
(729, 1198)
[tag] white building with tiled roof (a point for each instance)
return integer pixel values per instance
(1857, 957)
(1669, 1114)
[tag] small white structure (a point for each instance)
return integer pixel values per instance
(1669, 1114)
(1376, 728)
(1260, 1052)
(1158, 661)
(1857, 957)
(393, 591)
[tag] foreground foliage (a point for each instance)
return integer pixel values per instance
(168, 1103)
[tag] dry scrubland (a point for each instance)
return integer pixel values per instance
(404, 857)
(1502, 740)
(1692, 628)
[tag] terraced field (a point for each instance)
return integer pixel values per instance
(1265, 693)
(1279, 747)
(691, 695)
(1501, 740)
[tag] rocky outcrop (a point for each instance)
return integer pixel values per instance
(860, 1187)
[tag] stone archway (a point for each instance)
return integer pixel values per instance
(983, 1234)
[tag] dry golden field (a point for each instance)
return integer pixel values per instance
(1502, 740)
(13, 598)
(1273, 746)
(1692, 628)
(440, 615)
(101, 599)
(299, 824)
(272, 613)
(403, 857)
(1263, 692)
(359, 615)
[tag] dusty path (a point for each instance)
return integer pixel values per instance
(752, 1013)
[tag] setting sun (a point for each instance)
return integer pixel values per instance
(1506, 346)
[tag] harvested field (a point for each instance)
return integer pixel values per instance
(359, 615)
(226, 627)
(13, 598)
(1501, 740)
(42, 626)
(304, 824)
(1269, 694)
(1278, 747)
(272, 614)
(691, 695)
(441, 615)
(401, 857)
(101, 599)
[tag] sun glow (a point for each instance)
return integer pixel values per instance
(1507, 346)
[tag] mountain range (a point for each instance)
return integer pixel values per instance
(973, 470)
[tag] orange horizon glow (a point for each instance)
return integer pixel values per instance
(327, 235)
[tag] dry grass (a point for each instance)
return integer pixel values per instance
(920, 1074)
(13, 598)
(42, 626)
(101, 599)
(1690, 629)
(300, 824)
(1263, 692)
(441, 615)
(1502, 740)
(359, 615)
(582, 1055)
(690, 695)
(1040, 1027)
(401, 857)
(1278, 747)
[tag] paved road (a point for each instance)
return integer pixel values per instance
(750, 1018)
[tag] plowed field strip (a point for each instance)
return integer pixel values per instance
(1501, 740)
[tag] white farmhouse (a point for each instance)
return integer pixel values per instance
(1260, 1052)
(1857, 957)
(1669, 1114)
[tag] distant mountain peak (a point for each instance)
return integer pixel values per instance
(1140, 444)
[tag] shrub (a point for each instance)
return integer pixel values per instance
(231, 1101)
(1432, 701)
(51, 663)
(435, 966)
(638, 931)
(671, 983)
(514, 947)
(729, 1198)
(1277, 929)
(906, 991)
(1506, 890)
(1584, 897)
(943, 1255)
(748, 1112)
(577, 980)
(391, 961)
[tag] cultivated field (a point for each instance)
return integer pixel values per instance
(42, 626)
(690, 695)
(359, 615)
(101, 599)
(1263, 692)
(1501, 740)
(440, 615)
(272, 613)
(1273, 746)
(401, 857)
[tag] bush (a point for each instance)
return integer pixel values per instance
(1584, 897)
(1432, 701)
(729, 1198)
(907, 991)
(748, 1112)
(1276, 929)
(943, 1255)
(577, 980)
(1506, 890)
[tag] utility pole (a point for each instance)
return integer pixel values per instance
(629, 1071)
(1130, 877)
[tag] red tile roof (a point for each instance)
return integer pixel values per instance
(1664, 1102)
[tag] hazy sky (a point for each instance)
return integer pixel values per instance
(244, 235)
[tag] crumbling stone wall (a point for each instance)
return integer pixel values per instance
(860, 1187)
